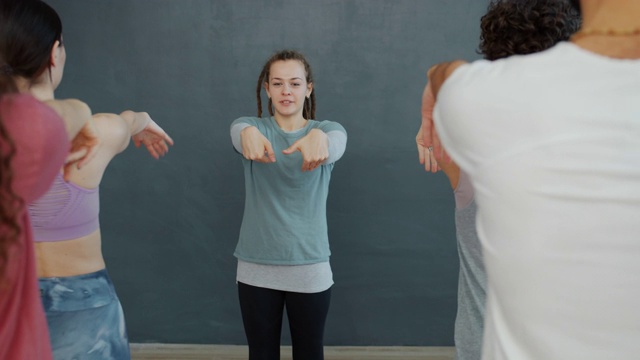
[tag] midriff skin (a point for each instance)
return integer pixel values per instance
(70, 257)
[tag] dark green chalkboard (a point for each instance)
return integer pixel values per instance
(170, 226)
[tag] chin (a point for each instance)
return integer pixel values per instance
(288, 112)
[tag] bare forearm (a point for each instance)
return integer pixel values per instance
(451, 170)
(136, 121)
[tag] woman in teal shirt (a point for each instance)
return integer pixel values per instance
(283, 250)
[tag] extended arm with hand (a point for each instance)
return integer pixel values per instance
(253, 145)
(145, 131)
(426, 154)
(436, 76)
(317, 147)
(314, 148)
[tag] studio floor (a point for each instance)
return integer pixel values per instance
(234, 352)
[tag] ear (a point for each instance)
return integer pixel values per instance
(266, 89)
(55, 54)
(309, 89)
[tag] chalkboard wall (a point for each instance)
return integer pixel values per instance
(170, 226)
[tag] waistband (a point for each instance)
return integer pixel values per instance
(71, 293)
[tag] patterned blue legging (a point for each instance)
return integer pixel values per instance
(262, 311)
(85, 317)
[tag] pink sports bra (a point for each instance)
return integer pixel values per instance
(67, 211)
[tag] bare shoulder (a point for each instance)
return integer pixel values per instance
(439, 73)
(453, 66)
(113, 139)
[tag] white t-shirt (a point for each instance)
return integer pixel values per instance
(551, 142)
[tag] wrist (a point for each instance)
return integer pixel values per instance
(318, 132)
(247, 127)
(129, 118)
(141, 121)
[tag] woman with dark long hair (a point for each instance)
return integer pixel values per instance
(33, 147)
(83, 311)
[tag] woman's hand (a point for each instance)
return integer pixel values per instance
(436, 76)
(153, 138)
(255, 146)
(425, 154)
(314, 148)
(84, 147)
(430, 139)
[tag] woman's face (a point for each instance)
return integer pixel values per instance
(287, 87)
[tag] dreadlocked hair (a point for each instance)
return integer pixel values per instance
(309, 108)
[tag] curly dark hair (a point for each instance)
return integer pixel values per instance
(518, 27)
(576, 4)
(28, 31)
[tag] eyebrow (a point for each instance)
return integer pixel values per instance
(277, 78)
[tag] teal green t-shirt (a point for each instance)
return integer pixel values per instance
(285, 220)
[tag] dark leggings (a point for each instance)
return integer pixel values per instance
(262, 311)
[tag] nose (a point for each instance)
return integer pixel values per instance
(286, 89)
